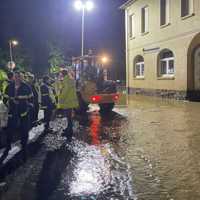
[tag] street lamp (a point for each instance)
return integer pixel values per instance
(84, 6)
(104, 61)
(12, 43)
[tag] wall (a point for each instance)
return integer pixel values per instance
(177, 36)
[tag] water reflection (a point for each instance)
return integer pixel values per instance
(162, 148)
(98, 171)
(54, 164)
(95, 123)
(91, 173)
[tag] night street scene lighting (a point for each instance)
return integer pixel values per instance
(83, 6)
(105, 59)
(100, 100)
(12, 43)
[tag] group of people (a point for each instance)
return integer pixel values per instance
(24, 97)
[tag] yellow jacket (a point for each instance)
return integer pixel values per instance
(67, 97)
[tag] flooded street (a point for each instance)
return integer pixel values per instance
(162, 145)
(147, 150)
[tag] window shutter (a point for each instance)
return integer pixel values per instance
(133, 25)
(167, 11)
(146, 19)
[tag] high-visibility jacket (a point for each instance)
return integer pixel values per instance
(67, 97)
(3, 81)
(57, 86)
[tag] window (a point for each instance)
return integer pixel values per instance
(139, 67)
(164, 12)
(145, 20)
(186, 7)
(132, 26)
(166, 63)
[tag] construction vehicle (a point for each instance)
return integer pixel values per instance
(92, 84)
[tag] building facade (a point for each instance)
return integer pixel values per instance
(163, 47)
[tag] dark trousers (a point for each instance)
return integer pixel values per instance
(34, 110)
(21, 125)
(47, 116)
(68, 132)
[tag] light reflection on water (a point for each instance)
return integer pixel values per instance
(91, 172)
(98, 172)
(148, 150)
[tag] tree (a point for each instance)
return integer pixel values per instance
(56, 57)
(4, 58)
(22, 59)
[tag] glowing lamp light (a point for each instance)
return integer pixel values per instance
(78, 5)
(89, 5)
(95, 99)
(14, 42)
(104, 59)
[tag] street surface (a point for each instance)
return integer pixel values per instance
(147, 150)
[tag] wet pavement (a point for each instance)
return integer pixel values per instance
(147, 150)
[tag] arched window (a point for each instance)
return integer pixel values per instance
(166, 63)
(139, 66)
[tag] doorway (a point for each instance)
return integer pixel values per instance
(197, 69)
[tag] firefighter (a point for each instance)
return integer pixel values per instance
(67, 100)
(47, 100)
(10, 77)
(17, 96)
(35, 100)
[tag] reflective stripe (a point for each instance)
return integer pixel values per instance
(43, 107)
(5, 95)
(23, 97)
(24, 114)
(45, 95)
(30, 95)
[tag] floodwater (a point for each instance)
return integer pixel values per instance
(162, 146)
(148, 149)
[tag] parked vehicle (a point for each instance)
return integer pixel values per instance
(92, 84)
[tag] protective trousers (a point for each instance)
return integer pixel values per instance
(47, 116)
(22, 125)
(68, 132)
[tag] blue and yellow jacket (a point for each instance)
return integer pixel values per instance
(18, 100)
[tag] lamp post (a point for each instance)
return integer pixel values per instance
(83, 6)
(12, 43)
(104, 61)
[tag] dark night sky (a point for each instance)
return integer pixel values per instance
(35, 22)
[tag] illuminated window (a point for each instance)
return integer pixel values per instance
(139, 67)
(166, 63)
(164, 12)
(145, 20)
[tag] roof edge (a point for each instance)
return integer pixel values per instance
(127, 4)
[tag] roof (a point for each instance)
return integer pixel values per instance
(127, 4)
